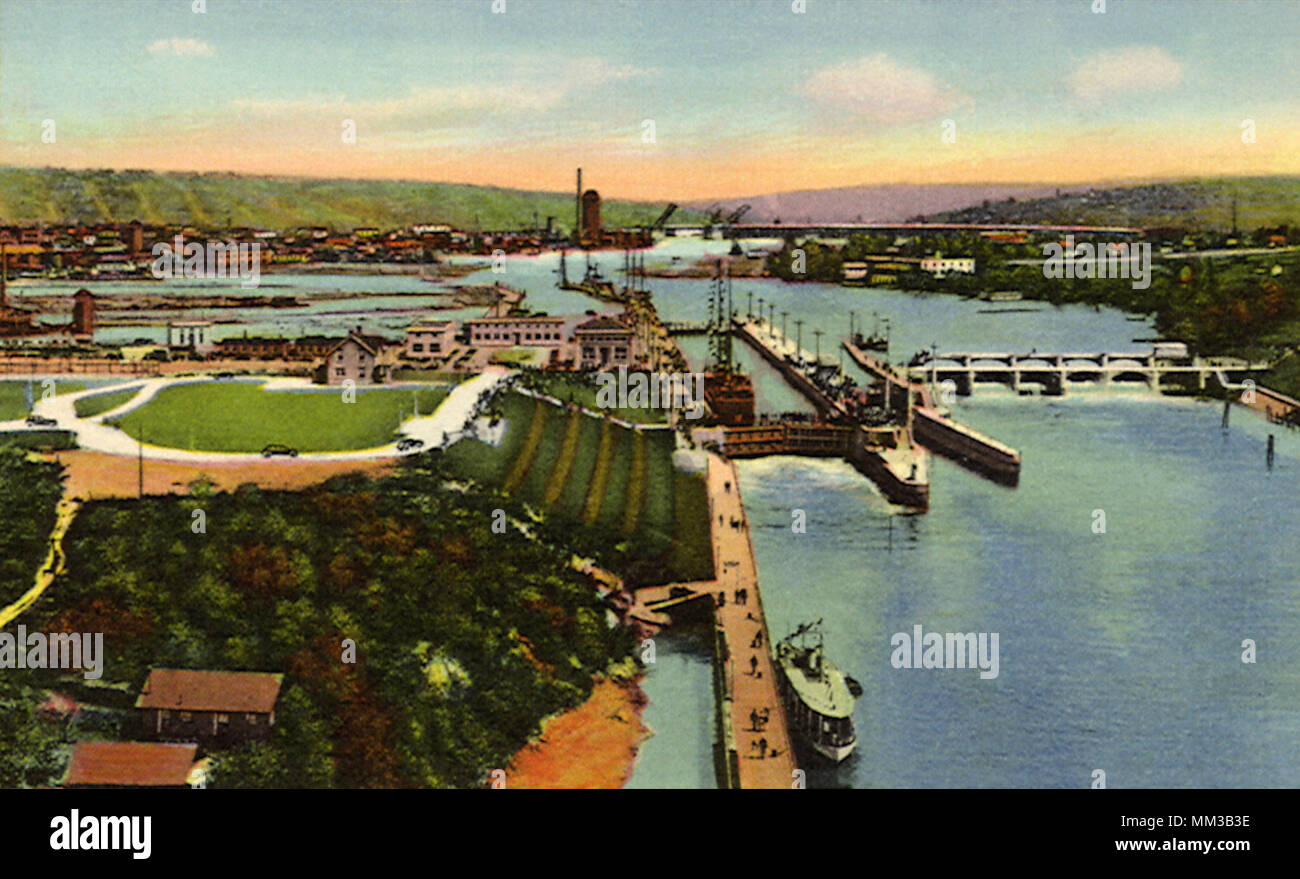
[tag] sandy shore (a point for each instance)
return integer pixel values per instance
(593, 746)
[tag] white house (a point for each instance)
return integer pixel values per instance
(938, 266)
(196, 334)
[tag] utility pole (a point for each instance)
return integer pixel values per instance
(760, 308)
(798, 337)
(818, 334)
(749, 311)
(783, 314)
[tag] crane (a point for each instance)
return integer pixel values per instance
(734, 216)
(663, 218)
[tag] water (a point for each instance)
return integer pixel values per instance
(1118, 651)
(680, 714)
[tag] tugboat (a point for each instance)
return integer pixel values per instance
(874, 342)
(728, 392)
(818, 697)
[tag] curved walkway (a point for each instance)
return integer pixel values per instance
(448, 422)
(54, 561)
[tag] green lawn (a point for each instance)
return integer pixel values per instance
(582, 390)
(670, 536)
(89, 407)
(13, 395)
(411, 374)
(244, 418)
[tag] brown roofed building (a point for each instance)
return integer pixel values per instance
(210, 707)
(130, 764)
(356, 359)
(604, 342)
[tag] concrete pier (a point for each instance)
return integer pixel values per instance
(746, 671)
(975, 451)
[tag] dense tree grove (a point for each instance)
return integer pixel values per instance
(1244, 305)
(465, 637)
(29, 493)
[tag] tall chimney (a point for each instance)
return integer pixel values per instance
(577, 211)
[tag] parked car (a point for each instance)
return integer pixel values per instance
(41, 421)
(279, 449)
(409, 445)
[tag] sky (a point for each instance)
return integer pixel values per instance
(657, 99)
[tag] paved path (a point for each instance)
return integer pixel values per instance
(750, 676)
(64, 513)
(450, 420)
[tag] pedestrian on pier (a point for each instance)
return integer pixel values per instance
(753, 666)
(758, 639)
(727, 486)
(722, 599)
(753, 719)
(762, 748)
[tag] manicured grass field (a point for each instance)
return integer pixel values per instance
(89, 407)
(579, 389)
(245, 418)
(410, 374)
(13, 396)
(612, 482)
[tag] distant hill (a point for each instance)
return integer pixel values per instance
(883, 203)
(1196, 205)
(217, 199)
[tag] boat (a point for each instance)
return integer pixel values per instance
(818, 697)
(877, 341)
(730, 397)
(728, 392)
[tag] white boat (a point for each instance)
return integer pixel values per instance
(819, 698)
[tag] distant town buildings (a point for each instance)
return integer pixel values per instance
(507, 332)
(591, 227)
(83, 313)
(195, 335)
(430, 340)
(940, 266)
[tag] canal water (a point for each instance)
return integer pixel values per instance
(1118, 651)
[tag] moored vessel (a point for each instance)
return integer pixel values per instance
(818, 697)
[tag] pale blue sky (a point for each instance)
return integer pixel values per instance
(740, 92)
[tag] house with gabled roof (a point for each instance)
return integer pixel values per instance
(213, 708)
(133, 765)
(356, 358)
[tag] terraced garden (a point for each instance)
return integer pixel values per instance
(616, 486)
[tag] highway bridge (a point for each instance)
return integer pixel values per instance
(843, 230)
